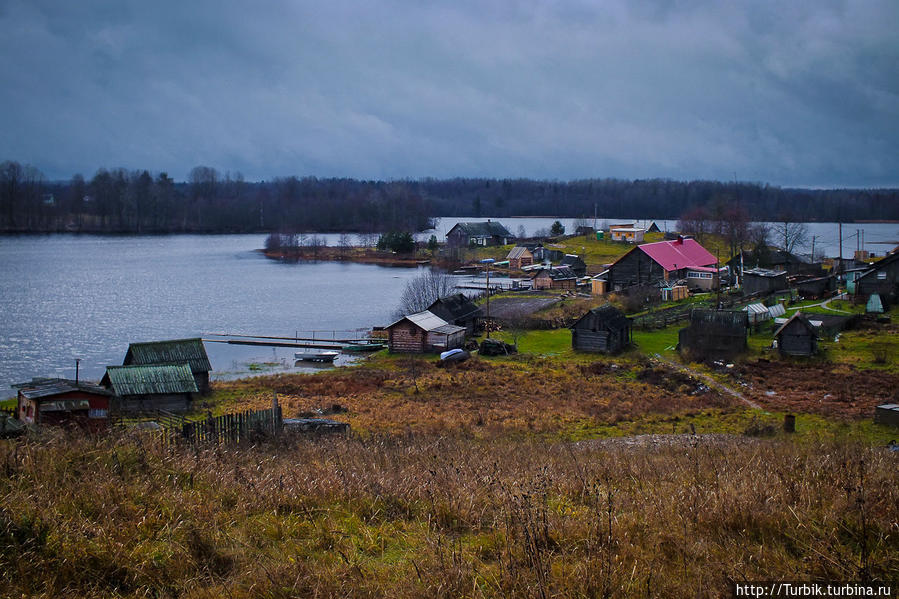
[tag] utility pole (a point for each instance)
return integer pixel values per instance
(487, 262)
(840, 269)
(813, 247)
(858, 240)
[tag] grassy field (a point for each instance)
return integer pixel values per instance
(441, 516)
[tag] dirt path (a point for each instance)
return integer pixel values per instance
(824, 305)
(711, 382)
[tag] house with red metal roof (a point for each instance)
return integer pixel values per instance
(649, 263)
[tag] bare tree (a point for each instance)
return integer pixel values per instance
(695, 221)
(422, 289)
(522, 233)
(792, 234)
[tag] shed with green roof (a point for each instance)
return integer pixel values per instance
(175, 351)
(169, 387)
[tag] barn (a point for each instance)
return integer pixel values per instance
(714, 334)
(797, 336)
(174, 351)
(169, 387)
(458, 310)
(63, 402)
(423, 332)
(604, 329)
(762, 281)
(574, 262)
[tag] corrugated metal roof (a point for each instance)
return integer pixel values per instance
(173, 351)
(677, 254)
(150, 380)
(49, 387)
(777, 310)
(425, 320)
(756, 309)
(763, 272)
(517, 252)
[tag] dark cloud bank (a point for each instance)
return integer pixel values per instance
(796, 93)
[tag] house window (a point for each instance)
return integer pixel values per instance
(699, 275)
(882, 276)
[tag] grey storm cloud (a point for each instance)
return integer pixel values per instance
(793, 93)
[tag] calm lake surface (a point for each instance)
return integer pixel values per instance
(66, 296)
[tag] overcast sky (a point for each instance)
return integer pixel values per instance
(791, 93)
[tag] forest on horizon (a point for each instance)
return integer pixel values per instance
(138, 201)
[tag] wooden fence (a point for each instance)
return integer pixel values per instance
(250, 426)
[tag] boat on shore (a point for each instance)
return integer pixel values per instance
(363, 347)
(316, 355)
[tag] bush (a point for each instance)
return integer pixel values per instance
(401, 243)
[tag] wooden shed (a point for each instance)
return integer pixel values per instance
(520, 256)
(423, 332)
(714, 334)
(168, 387)
(63, 402)
(797, 336)
(574, 262)
(882, 279)
(560, 277)
(174, 351)
(604, 329)
(762, 281)
(458, 310)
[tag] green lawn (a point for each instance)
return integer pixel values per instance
(662, 341)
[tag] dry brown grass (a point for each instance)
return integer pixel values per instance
(438, 516)
(480, 395)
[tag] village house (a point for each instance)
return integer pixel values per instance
(653, 228)
(482, 234)
(574, 262)
(560, 277)
(772, 258)
(797, 336)
(169, 387)
(682, 258)
(762, 281)
(810, 287)
(458, 310)
(882, 279)
(176, 351)
(714, 334)
(519, 257)
(63, 402)
(584, 230)
(423, 332)
(604, 329)
(629, 233)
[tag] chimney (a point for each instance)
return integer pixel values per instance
(680, 240)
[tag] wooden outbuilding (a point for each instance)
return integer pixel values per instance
(423, 332)
(169, 387)
(63, 402)
(797, 336)
(574, 262)
(627, 232)
(520, 256)
(175, 351)
(560, 277)
(762, 281)
(604, 329)
(714, 334)
(485, 234)
(458, 310)
(882, 279)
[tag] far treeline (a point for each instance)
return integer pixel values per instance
(125, 201)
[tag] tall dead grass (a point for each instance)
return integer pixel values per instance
(439, 516)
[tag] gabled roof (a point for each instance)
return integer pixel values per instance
(39, 388)
(488, 229)
(607, 314)
(728, 318)
(764, 272)
(573, 261)
(425, 320)
(800, 318)
(173, 351)
(458, 305)
(517, 252)
(880, 264)
(150, 380)
(678, 253)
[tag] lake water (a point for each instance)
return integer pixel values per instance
(66, 296)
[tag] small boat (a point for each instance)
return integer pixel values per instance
(317, 355)
(356, 347)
